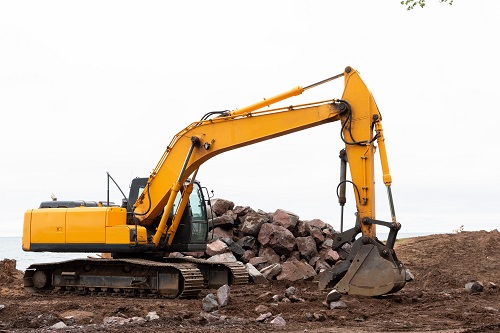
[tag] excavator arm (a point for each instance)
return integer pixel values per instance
(361, 128)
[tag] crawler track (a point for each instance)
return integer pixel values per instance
(115, 277)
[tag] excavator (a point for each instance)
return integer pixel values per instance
(167, 211)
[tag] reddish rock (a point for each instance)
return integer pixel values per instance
(220, 206)
(294, 270)
(329, 255)
(317, 235)
(219, 232)
(249, 254)
(285, 219)
(301, 229)
(316, 223)
(252, 222)
(269, 254)
(280, 239)
(217, 247)
(307, 247)
(241, 211)
(221, 221)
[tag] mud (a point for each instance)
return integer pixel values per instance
(435, 301)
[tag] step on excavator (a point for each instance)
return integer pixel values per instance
(167, 211)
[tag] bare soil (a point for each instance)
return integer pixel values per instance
(436, 301)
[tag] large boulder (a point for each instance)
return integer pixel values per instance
(252, 222)
(285, 219)
(269, 254)
(225, 221)
(280, 239)
(294, 270)
(220, 206)
(217, 247)
(307, 247)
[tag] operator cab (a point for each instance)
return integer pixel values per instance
(192, 231)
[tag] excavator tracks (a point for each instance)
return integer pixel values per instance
(115, 277)
(176, 278)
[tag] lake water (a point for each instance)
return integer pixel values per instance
(11, 248)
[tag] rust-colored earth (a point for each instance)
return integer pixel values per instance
(436, 301)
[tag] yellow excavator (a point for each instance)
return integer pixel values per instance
(167, 212)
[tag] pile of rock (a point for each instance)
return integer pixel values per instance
(273, 245)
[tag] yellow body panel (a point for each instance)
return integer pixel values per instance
(80, 225)
(85, 225)
(48, 225)
(120, 234)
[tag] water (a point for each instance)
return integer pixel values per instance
(11, 248)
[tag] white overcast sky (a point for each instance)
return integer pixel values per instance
(93, 86)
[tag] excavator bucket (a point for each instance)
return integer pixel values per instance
(370, 274)
(371, 268)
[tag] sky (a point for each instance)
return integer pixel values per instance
(89, 87)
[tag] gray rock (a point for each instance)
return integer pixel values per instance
(474, 287)
(280, 239)
(327, 244)
(114, 320)
(237, 250)
(271, 271)
(137, 320)
(255, 275)
(247, 242)
(257, 261)
(59, 325)
(209, 303)
(337, 305)
(408, 275)
(2, 306)
(333, 296)
(285, 219)
(263, 317)
(307, 247)
(290, 291)
(278, 321)
(223, 295)
(223, 257)
(152, 316)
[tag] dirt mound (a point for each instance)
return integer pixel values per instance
(11, 279)
(436, 301)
